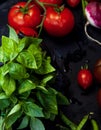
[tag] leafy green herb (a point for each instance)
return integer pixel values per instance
(26, 94)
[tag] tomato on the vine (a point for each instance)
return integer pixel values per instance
(21, 15)
(84, 78)
(58, 22)
(58, 2)
(73, 3)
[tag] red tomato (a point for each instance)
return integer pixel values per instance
(58, 2)
(58, 23)
(73, 3)
(19, 16)
(97, 70)
(99, 97)
(27, 31)
(84, 78)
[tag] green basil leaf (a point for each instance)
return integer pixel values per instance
(25, 42)
(32, 110)
(27, 60)
(9, 85)
(61, 99)
(3, 71)
(25, 86)
(4, 103)
(17, 71)
(15, 109)
(12, 34)
(9, 48)
(46, 79)
(36, 124)
(46, 67)
(48, 101)
(3, 96)
(24, 123)
(13, 116)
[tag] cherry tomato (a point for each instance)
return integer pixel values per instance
(21, 16)
(73, 3)
(97, 70)
(58, 22)
(99, 97)
(84, 78)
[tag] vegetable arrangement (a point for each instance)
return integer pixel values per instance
(27, 75)
(30, 17)
(26, 94)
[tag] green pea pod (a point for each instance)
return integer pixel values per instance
(82, 122)
(68, 122)
(94, 124)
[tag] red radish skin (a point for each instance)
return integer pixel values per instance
(93, 15)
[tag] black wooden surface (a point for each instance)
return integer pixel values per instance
(68, 54)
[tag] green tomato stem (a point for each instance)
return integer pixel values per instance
(84, 3)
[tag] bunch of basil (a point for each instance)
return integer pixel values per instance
(26, 95)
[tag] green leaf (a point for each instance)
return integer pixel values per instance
(4, 103)
(37, 52)
(32, 110)
(24, 123)
(17, 71)
(46, 67)
(25, 86)
(3, 96)
(46, 79)
(36, 124)
(12, 34)
(48, 101)
(25, 42)
(61, 99)
(15, 109)
(9, 85)
(1, 55)
(9, 48)
(13, 116)
(27, 60)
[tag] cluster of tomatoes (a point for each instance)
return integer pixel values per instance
(30, 17)
(85, 78)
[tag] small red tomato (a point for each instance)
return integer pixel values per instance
(21, 15)
(58, 22)
(73, 3)
(84, 78)
(99, 97)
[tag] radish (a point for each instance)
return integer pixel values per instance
(93, 15)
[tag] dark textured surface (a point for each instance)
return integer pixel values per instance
(68, 54)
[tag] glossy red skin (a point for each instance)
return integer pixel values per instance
(97, 70)
(58, 2)
(17, 19)
(84, 78)
(58, 24)
(73, 3)
(26, 31)
(99, 97)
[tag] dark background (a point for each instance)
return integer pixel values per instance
(68, 54)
